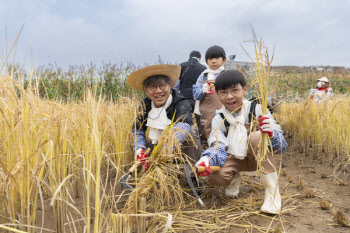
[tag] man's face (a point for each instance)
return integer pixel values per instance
(232, 98)
(215, 63)
(326, 85)
(158, 93)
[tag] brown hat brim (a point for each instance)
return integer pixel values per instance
(137, 77)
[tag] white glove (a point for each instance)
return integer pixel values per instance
(141, 155)
(266, 125)
(206, 88)
(204, 159)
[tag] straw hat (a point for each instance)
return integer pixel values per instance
(137, 77)
(323, 79)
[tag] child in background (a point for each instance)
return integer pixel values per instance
(234, 148)
(204, 90)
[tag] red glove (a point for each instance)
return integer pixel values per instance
(143, 157)
(266, 125)
(208, 88)
(204, 162)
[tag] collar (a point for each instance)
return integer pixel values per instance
(194, 58)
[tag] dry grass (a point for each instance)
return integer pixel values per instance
(325, 205)
(321, 127)
(260, 83)
(310, 193)
(301, 184)
(340, 218)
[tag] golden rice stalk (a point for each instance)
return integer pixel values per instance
(160, 184)
(262, 70)
(325, 205)
(323, 127)
(301, 183)
(309, 193)
(340, 218)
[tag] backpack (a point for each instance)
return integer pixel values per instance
(183, 74)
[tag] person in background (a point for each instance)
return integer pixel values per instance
(323, 92)
(204, 90)
(234, 148)
(190, 70)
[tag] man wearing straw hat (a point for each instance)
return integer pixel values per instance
(161, 105)
(323, 91)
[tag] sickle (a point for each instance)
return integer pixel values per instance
(126, 176)
(188, 171)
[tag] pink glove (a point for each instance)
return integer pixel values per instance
(204, 162)
(266, 125)
(143, 157)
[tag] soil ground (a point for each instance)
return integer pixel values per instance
(300, 214)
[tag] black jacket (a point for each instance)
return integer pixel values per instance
(182, 106)
(190, 77)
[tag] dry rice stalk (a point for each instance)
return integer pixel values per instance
(325, 205)
(283, 172)
(340, 218)
(301, 184)
(276, 230)
(160, 184)
(309, 193)
(262, 69)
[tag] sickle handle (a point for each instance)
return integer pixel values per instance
(202, 169)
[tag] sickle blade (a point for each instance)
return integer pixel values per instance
(188, 171)
(124, 181)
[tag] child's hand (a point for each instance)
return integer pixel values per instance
(204, 161)
(206, 88)
(266, 125)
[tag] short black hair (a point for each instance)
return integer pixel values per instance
(229, 79)
(215, 51)
(195, 53)
(155, 79)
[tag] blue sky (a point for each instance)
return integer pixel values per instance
(138, 31)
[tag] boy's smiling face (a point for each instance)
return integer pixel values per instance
(232, 97)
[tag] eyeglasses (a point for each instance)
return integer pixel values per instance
(153, 88)
(233, 92)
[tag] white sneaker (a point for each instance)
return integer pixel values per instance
(233, 189)
(272, 203)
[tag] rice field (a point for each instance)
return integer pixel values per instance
(61, 158)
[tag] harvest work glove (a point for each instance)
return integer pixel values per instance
(266, 125)
(143, 157)
(206, 88)
(204, 162)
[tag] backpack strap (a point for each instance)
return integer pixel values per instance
(205, 77)
(183, 74)
(225, 122)
(252, 109)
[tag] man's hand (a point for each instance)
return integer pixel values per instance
(143, 157)
(266, 125)
(204, 161)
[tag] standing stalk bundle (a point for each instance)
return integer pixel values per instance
(319, 128)
(262, 69)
